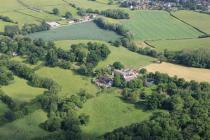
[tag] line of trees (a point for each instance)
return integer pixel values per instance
(7, 19)
(112, 13)
(194, 58)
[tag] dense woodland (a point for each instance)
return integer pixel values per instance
(184, 111)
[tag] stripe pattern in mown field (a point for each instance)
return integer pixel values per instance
(156, 25)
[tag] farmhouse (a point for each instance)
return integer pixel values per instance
(128, 74)
(104, 81)
(53, 24)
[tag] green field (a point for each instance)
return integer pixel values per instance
(2, 24)
(25, 128)
(198, 20)
(20, 91)
(86, 30)
(126, 57)
(154, 25)
(3, 108)
(108, 112)
(177, 45)
(70, 82)
(98, 4)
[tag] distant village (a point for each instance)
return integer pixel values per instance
(203, 5)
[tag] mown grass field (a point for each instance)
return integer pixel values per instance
(155, 25)
(70, 82)
(108, 112)
(188, 73)
(20, 91)
(25, 128)
(126, 57)
(198, 20)
(86, 30)
(177, 45)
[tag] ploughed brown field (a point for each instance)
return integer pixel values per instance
(187, 73)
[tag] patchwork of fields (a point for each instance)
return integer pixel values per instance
(107, 111)
(155, 25)
(198, 20)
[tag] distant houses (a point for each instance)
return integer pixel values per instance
(53, 24)
(128, 74)
(104, 81)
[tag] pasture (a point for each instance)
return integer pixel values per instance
(177, 45)
(25, 128)
(70, 82)
(155, 25)
(188, 73)
(198, 20)
(20, 91)
(126, 57)
(88, 31)
(3, 108)
(108, 112)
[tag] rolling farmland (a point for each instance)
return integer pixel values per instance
(177, 45)
(198, 20)
(156, 25)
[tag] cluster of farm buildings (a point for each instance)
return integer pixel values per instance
(126, 74)
(83, 19)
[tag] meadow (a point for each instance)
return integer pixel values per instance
(20, 91)
(198, 20)
(70, 82)
(188, 73)
(3, 108)
(25, 128)
(155, 25)
(86, 30)
(126, 57)
(177, 45)
(108, 112)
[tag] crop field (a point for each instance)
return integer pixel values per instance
(126, 57)
(25, 128)
(155, 25)
(86, 30)
(198, 20)
(20, 91)
(70, 82)
(188, 73)
(108, 112)
(177, 45)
